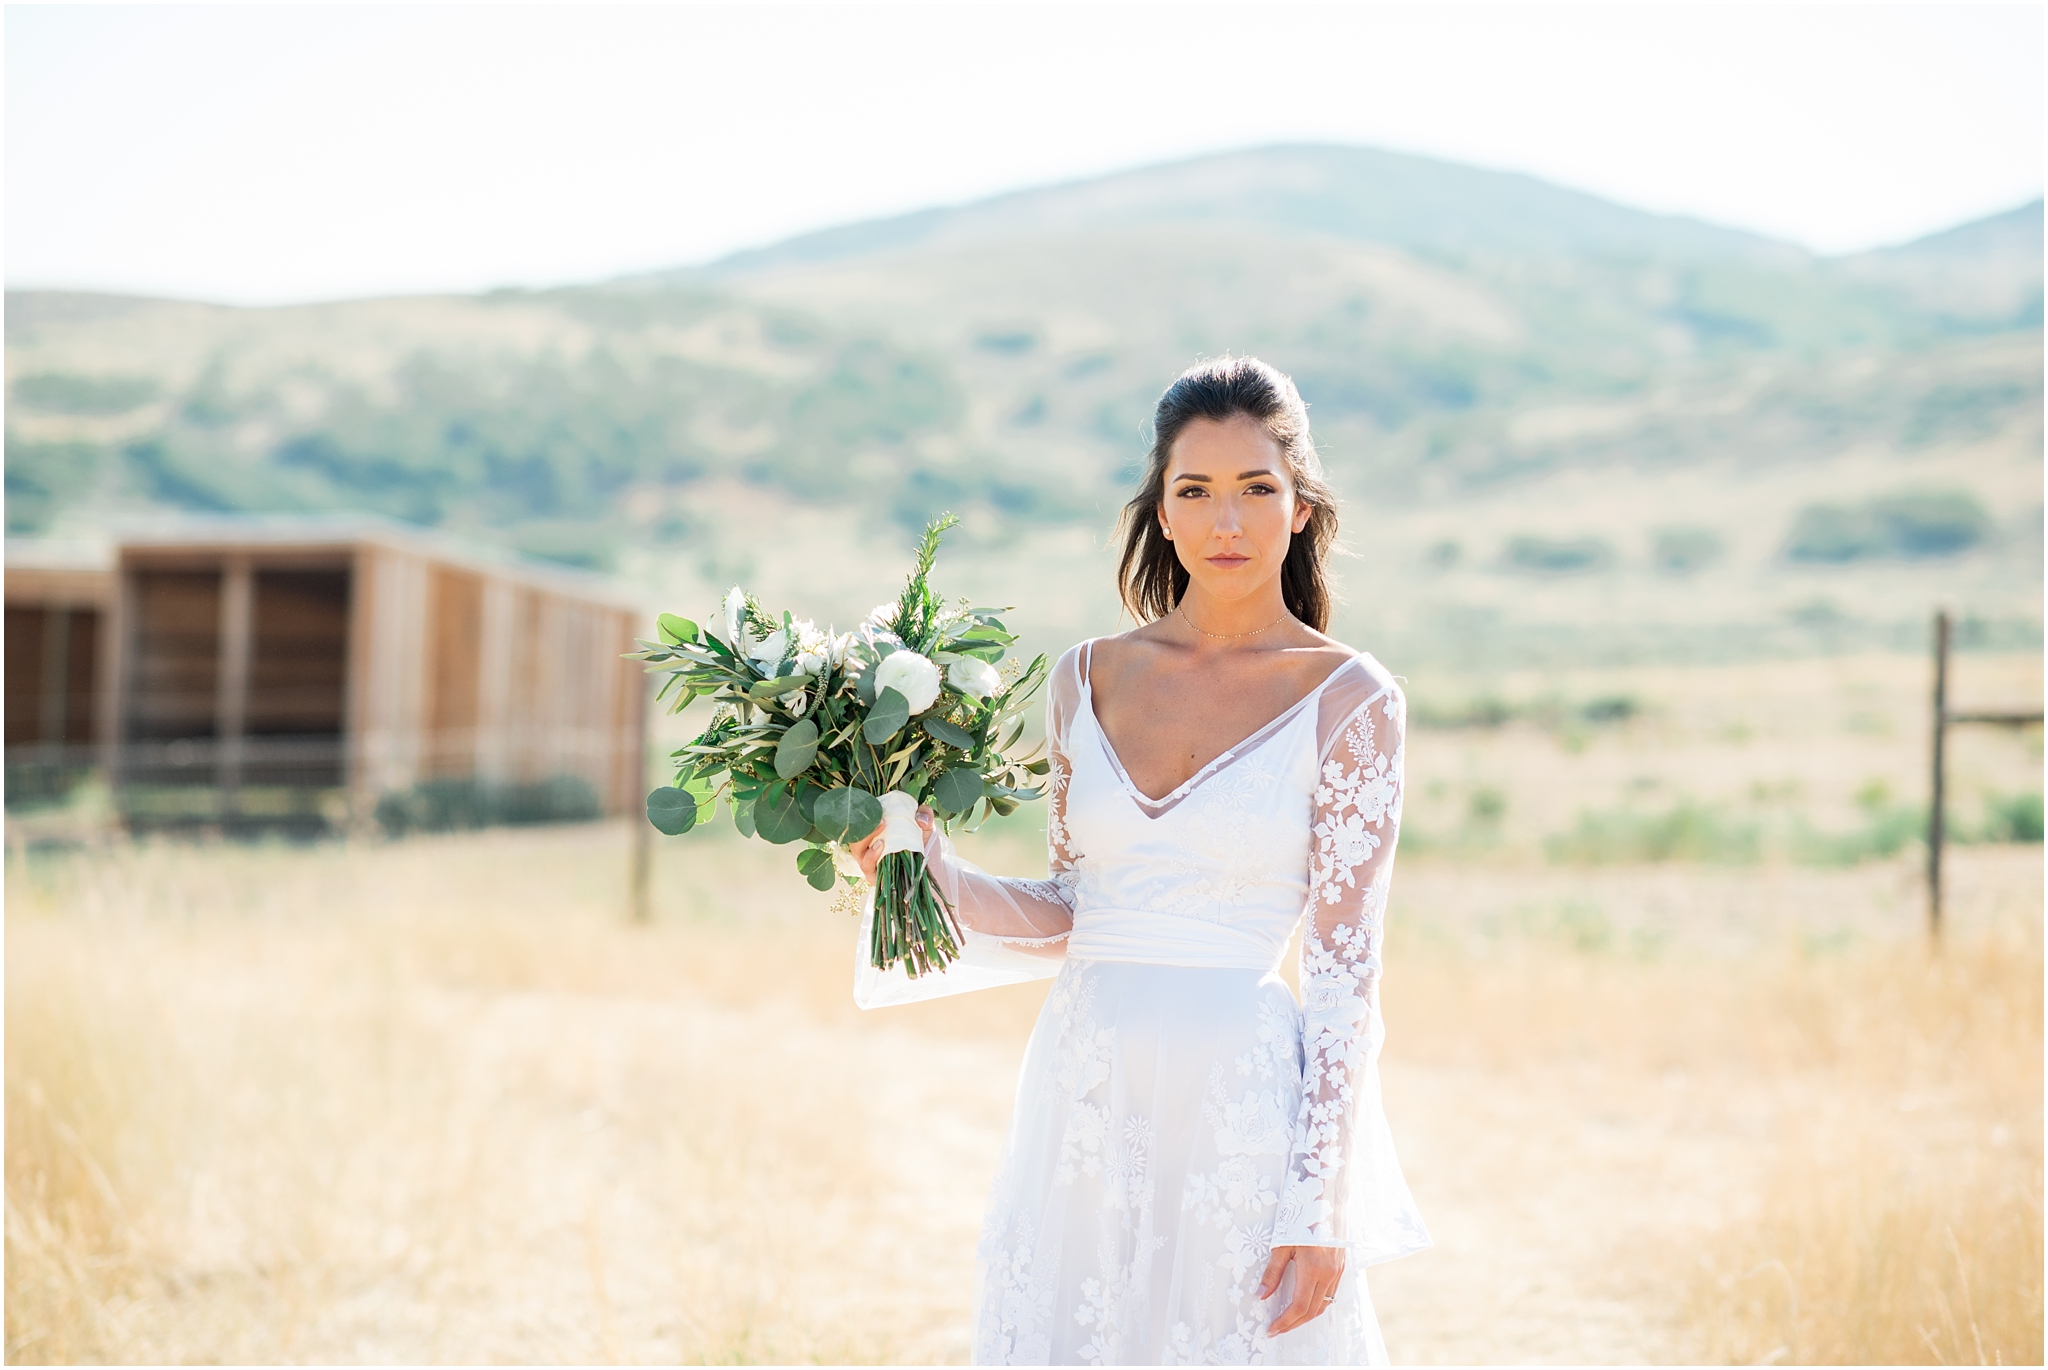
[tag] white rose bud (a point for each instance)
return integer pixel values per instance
(910, 675)
(970, 675)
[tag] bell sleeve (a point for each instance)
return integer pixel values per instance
(1344, 1186)
(1014, 929)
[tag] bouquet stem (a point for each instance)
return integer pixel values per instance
(913, 922)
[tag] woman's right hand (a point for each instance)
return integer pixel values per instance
(868, 851)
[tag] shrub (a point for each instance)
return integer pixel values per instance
(1688, 831)
(1683, 550)
(1554, 556)
(451, 804)
(2012, 818)
(1925, 524)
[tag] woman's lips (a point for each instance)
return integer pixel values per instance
(1228, 560)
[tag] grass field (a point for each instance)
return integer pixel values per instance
(439, 1100)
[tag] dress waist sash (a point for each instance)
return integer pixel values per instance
(1169, 939)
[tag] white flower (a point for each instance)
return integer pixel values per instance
(813, 649)
(910, 675)
(769, 651)
(970, 675)
(735, 615)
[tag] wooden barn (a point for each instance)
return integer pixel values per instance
(317, 672)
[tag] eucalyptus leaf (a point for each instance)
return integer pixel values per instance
(957, 789)
(778, 817)
(675, 628)
(797, 749)
(952, 734)
(765, 690)
(743, 816)
(815, 864)
(847, 814)
(671, 810)
(887, 718)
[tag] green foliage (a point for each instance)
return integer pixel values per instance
(1688, 831)
(815, 865)
(455, 804)
(1888, 826)
(779, 815)
(886, 719)
(1684, 549)
(956, 790)
(672, 811)
(1555, 556)
(95, 396)
(45, 477)
(847, 814)
(2012, 818)
(1932, 523)
(796, 749)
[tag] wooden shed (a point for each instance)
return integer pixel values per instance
(307, 670)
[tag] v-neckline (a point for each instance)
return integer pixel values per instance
(1256, 738)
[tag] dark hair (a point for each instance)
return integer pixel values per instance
(1149, 574)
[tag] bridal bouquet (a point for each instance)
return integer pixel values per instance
(819, 738)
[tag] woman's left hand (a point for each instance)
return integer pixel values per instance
(1317, 1269)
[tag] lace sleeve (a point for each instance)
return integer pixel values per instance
(1030, 916)
(1016, 928)
(1341, 1130)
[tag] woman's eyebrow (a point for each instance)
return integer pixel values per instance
(1186, 476)
(1247, 475)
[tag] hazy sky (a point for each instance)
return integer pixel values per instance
(270, 153)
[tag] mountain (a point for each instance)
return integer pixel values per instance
(1353, 194)
(1561, 427)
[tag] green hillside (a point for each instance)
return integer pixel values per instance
(1562, 427)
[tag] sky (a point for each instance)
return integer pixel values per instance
(268, 154)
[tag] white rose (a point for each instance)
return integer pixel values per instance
(970, 675)
(881, 616)
(735, 615)
(910, 675)
(813, 649)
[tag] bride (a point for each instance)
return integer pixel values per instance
(1199, 1167)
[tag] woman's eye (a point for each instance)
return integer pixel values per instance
(1259, 490)
(1187, 491)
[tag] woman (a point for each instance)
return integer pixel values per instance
(1199, 1167)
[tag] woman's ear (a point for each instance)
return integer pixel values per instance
(1165, 528)
(1302, 510)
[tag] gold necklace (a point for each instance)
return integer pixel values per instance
(1227, 637)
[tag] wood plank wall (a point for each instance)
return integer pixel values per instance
(461, 673)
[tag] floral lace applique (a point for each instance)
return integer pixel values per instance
(1357, 816)
(1018, 1306)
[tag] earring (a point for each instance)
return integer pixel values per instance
(1167, 531)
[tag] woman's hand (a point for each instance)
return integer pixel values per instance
(1316, 1272)
(868, 851)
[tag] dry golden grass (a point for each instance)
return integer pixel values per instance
(438, 1101)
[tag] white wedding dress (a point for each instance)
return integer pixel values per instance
(1179, 1114)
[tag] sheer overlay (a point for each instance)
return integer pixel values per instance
(1179, 1114)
